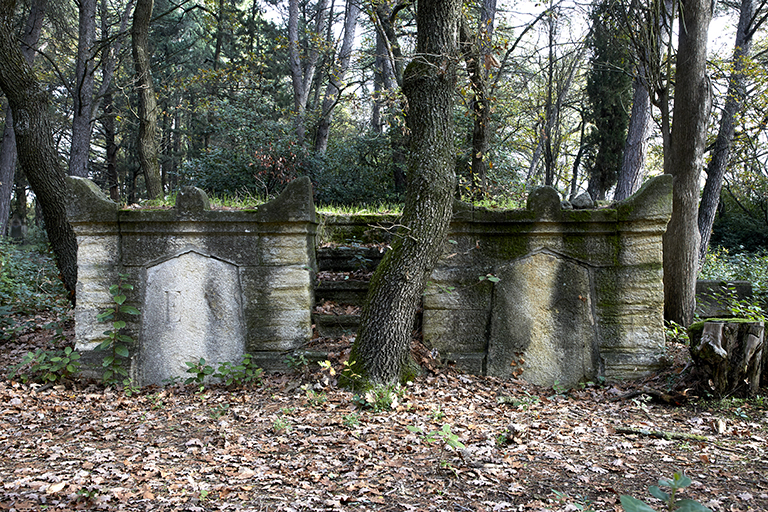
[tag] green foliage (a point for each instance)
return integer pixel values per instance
(117, 343)
(443, 434)
(200, 371)
(29, 282)
(281, 425)
(297, 363)
(314, 398)
(679, 481)
(243, 373)
(47, 366)
(256, 152)
(582, 504)
(674, 332)
(356, 170)
(380, 398)
(609, 88)
(351, 420)
(725, 265)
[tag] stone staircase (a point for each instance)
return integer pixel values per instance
(341, 287)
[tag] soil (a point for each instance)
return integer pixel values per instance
(297, 442)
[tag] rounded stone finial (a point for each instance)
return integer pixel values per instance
(545, 201)
(192, 200)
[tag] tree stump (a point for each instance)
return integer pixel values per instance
(729, 354)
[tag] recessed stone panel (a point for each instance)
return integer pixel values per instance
(192, 310)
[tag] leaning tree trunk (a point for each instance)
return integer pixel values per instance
(147, 143)
(8, 149)
(382, 347)
(35, 145)
(721, 152)
(693, 101)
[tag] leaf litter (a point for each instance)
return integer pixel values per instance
(278, 447)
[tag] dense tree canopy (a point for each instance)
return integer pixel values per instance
(250, 94)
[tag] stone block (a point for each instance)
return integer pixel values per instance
(192, 309)
(542, 315)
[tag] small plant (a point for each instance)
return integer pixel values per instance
(242, 374)
(351, 420)
(281, 426)
(674, 332)
(47, 366)
(297, 363)
(444, 434)
(380, 398)
(437, 413)
(117, 343)
(679, 481)
(314, 398)
(490, 278)
(581, 503)
(559, 389)
(219, 411)
(521, 404)
(200, 370)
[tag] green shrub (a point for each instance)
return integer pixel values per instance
(679, 481)
(724, 265)
(47, 366)
(29, 282)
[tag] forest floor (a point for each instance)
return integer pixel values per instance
(297, 442)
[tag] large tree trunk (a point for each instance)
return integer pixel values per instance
(35, 145)
(722, 149)
(147, 143)
(8, 150)
(382, 346)
(336, 78)
(693, 102)
(82, 120)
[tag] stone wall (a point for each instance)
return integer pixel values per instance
(209, 283)
(567, 295)
(549, 293)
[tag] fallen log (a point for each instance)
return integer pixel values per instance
(728, 353)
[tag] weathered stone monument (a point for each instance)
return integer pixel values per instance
(210, 284)
(549, 294)
(576, 294)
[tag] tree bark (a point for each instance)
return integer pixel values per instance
(302, 75)
(381, 349)
(8, 149)
(336, 78)
(35, 145)
(632, 169)
(147, 142)
(693, 101)
(729, 356)
(721, 152)
(82, 119)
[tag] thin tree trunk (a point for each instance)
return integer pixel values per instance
(302, 75)
(693, 101)
(35, 145)
(336, 79)
(721, 152)
(381, 349)
(8, 149)
(632, 169)
(147, 143)
(82, 119)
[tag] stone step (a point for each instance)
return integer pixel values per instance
(348, 258)
(341, 292)
(335, 326)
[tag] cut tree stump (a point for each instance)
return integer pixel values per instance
(729, 354)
